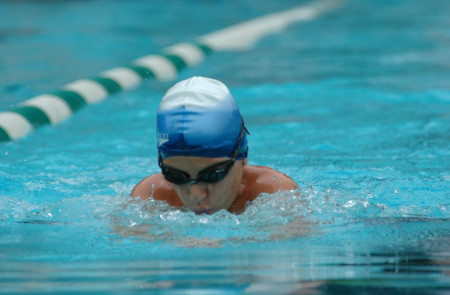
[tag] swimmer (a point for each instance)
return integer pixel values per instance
(202, 153)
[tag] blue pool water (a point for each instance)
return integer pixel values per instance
(354, 106)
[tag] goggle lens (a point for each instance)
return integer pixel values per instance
(211, 174)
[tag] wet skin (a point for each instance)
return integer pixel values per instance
(242, 184)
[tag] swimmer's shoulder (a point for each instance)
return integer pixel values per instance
(258, 180)
(157, 187)
(262, 179)
(268, 180)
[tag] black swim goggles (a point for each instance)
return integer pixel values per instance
(211, 174)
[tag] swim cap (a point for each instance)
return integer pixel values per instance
(199, 117)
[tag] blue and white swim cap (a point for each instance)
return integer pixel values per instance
(199, 117)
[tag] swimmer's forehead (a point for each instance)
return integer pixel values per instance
(200, 160)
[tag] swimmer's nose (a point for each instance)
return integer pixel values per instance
(198, 191)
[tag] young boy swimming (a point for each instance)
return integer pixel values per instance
(202, 152)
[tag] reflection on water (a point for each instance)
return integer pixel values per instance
(289, 243)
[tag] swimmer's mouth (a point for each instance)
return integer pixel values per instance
(207, 211)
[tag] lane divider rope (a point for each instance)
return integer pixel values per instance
(56, 106)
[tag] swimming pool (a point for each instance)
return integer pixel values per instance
(354, 105)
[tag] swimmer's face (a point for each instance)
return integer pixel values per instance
(204, 197)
